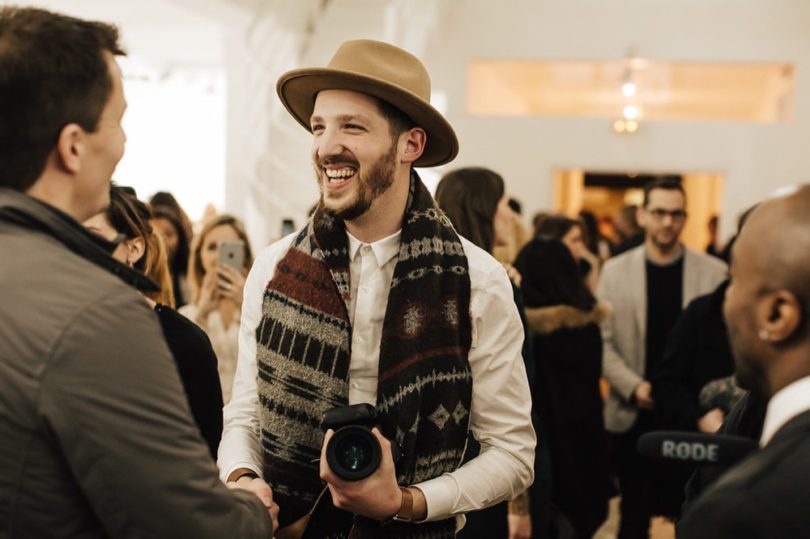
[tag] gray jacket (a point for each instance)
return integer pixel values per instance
(623, 284)
(97, 439)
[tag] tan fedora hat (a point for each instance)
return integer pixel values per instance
(383, 71)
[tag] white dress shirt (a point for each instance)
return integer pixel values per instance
(501, 401)
(787, 403)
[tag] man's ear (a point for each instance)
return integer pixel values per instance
(70, 147)
(415, 140)
(779, 315)
(135, 249)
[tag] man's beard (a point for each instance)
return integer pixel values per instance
(369, 185)
(666, 246)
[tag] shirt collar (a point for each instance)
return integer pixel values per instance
(384, 250)
(786, 404)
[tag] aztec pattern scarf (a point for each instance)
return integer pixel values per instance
(303, 353)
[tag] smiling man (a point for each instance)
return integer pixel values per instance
(648, 287)
(377, 301)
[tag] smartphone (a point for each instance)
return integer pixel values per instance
(287, 227)
(232, 253)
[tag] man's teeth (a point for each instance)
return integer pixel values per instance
(339, 175)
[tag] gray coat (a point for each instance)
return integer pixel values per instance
(623, 284)
(97, 439)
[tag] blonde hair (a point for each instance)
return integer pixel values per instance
(157, 268)
(195, 267)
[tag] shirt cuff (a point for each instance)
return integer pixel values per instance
(440, 496)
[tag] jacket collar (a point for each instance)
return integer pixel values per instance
(21, 210)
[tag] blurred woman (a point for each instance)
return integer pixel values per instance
(127, 219)
(475, 201)
(572, 233)
(218, 289)
(564, 318)
(176, 239)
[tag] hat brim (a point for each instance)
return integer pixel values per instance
(298, 89)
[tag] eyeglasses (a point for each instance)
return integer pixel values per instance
(659, 214)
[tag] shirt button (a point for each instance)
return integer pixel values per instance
(366, 249)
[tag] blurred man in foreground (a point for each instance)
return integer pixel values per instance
(98, 439)
(766, 310)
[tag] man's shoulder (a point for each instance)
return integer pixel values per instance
(773, 483)
(776, 470)
(705, 262)
(619, 263)
(48, 289)
(47, 271)
(483, 266)
(268, 257)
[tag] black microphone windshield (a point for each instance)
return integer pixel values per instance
(695, 447)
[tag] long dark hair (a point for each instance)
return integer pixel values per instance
(131, 217)
(556, 227)
(551, 276)
(469, 197)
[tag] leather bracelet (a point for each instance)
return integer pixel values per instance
(252, 475)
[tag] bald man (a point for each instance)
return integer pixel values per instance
(766, 309)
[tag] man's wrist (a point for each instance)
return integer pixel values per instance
(239, 473)
(412, 506)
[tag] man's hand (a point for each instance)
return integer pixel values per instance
(520, 526)
(262, 490)
(710, 423)
(377, 496)
(643, 395)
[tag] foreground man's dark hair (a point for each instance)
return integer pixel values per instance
(53, 73)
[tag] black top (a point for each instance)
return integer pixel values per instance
(197, 365)
(697, 352)
(664, 299)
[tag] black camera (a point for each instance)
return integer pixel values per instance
(353, 452)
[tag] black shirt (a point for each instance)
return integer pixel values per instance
(664, 303)
(197, 365)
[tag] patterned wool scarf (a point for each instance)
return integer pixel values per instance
(303, 353)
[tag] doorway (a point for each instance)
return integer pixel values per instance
(605, 193)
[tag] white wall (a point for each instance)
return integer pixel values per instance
(756, 158)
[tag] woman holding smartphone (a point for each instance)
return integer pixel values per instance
(220, 259)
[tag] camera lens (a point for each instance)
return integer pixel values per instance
(353, 453)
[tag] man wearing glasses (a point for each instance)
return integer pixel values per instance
(648, 287)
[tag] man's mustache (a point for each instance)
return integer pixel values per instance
(338, 160)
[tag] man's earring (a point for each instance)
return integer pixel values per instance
(764, 335)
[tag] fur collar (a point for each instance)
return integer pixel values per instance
(546, 320)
